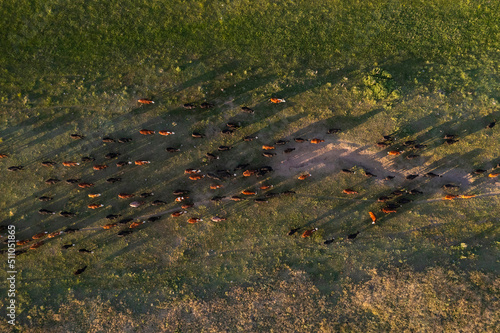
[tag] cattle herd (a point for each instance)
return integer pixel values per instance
(391, 202)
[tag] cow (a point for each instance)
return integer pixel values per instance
(80, 270)
(197, 135)
(73, 180)
(494, 174)
(187, 205)
(281, 142)
(113, 180)
(23, 242)
(48, 164)
(411, 177)
(4, 155)
(233, 125)
(110, 225)
(211, 156)
(86, 159)
(293, 231)
(216, 186)
(189, 106)
(432, 175)
(145, 101)
(191, 171)
(134, 225)
(249, 172)
(165, 133)
(67, 214)
(36, 245)
(15, 168)
(206, 105)
(123, 163)
(180, 192)
(369, 174)
(268, 154)
(349, 191)
(70, 164)
(98, 167)
(248, 192)
(54, 234)
(450, 197)
(146, 132)
(135, 204)
(316, 141)
(467, 196)
(276, 100)
(44, 211)
(217, 219)
(413, 192)
(492, 124)
(334, 131)
(85, 185)
(52, 181)
(398, 193)
(67, 246)
(196, 177)
(76, 136)
(224, 148)
(194, 220)
(266, 187)
(300, 140)
(304, 176)
(250, 138)
(388, 210)
(107, 139)
(449, 136)
(39, 235)
(95, 206)
(309, 232)
(266, 147)
(288, 150)
(246, 109)
(172, 150)
(394, 152)
(352, 236)
(412, 156)
(124, 140)
(141, 162)
(45, 198)
(373, 217)
(178, 213)
(181, 199)
(85, 250)
(158, 203)
(110, 156)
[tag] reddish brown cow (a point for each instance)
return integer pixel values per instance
(136, 224)
(276, 100)
(248, 192)
(110, 225)
(54, 234)
(395, 152)
(302, 177)
(388, 210)
(316, 141)
(141, 162)
(191, 171)
(309, 232)
(99, 167)
(373, 217)
(196, 177)
(36, 245)
(215, 186)
(266, 147)
(145, 101)
(95, 206)
(146, 132)
(94, 195)
(39, 235)
(178, 213)
(349, 191)
(85, 185)
(195, 220)
(70, 164)
(166, 133)
(23, 242)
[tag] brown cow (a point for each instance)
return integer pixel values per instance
(266, 187)
(187, 205)
(373, 217)
(125, 195)
(236, 198)
(218, 219)
(136, 224)
(196, 177)
(266, 147)
(191, 171)
(224, 148)
(216, 186)
(494, 174)
(276, 100)
(70, 164)
(395, 152)
(181, 199)
(52, 181)
(145, 101)
(467, 196)
(248, 192)
(141, 162)
(302, 177)
(268, 154)
(388, 210)
(300, 140)
(110, 225)
(36, 245)
(107, 139)
(178, 213)
(450, 197)
(4, 155)
(39, 235)
(95, 206)
(316, 141)
(349, 191)
(166, 133)
(309, 232)
(54, 234)
(146, 132)
(76, 136)
(123, 163)
(248, 173)
(23, 242)
(99, 167)
(85, 185)
(195, 220)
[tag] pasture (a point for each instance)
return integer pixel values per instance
(416, 71)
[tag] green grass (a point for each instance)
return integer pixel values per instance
(418, 69)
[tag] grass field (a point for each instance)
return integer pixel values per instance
(415, 69)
